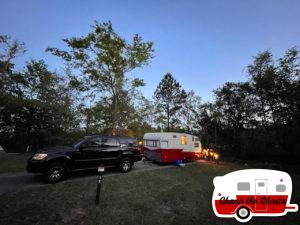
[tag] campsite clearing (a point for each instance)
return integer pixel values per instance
(167, 196)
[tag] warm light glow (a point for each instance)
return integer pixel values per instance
(183, 140)
(216, 156)
(140, 142)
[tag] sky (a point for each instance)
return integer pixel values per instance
(202, 43)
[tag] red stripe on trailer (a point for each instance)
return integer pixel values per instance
(190, 155)
(171, 155)
(270, 203)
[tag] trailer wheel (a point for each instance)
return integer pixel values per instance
(243, 213)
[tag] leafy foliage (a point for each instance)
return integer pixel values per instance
(104, 58)
(260, 116)
(35, 105)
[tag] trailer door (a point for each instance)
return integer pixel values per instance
(261, 191)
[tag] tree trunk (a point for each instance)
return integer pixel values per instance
(168, 119)
(115, 115)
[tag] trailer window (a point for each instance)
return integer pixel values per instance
(183, 140)
(151, 143)
(196, 145)
(280, 188)
(243, 186)
(261, 184)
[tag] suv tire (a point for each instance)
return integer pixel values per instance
(55, 172)
(125, 165)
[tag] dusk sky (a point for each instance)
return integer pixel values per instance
(202, 43)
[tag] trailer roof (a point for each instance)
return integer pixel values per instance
(159, 135)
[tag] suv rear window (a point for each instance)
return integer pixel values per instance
(128, 141)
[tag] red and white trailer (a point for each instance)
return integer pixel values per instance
(253, 192)
(168, 146)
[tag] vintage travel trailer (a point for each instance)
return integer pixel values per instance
(253, 192)
(168, 146)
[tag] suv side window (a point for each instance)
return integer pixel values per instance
(109, 142)
(93, 142)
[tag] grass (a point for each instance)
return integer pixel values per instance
(13, 162)
(168, 196)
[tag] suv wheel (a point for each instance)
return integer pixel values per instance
(125, 165)
(55, 172)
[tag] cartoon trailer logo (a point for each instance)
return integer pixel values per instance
(253, 192)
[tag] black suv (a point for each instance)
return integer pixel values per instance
(88, 153)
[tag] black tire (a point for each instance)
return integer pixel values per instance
(243, 213)
(125, 165)
(55, 172)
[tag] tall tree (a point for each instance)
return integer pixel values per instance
(11, 82)
(260, 116)
(189, 112)
(275, 85)
(170, 97)
(208, 124)
(235, 103)
(35, 104)
(103, 59)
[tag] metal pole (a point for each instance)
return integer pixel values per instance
(98, 189)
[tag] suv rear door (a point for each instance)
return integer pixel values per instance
(89, 155)
(110, 150)
(129, 146)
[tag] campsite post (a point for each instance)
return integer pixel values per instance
(100, 172)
